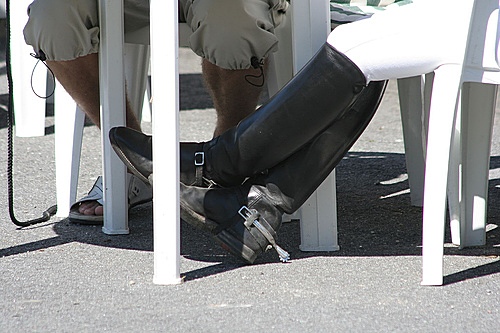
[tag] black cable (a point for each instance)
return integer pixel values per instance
(10, 151)
(257, 64)
(41, 57)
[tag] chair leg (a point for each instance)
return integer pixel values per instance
(280, 69)
(318, 219)
(69, 122)
(476, 144)
(305, 30)
(147, 107)
(166, 222)
(442, 117)
(112, 89)
(69, 128)
(29, 108)
(136, 62)
(454, 188)
(410, 92)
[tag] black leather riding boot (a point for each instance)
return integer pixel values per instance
(320, 93)
(135, 149)
(245, 219)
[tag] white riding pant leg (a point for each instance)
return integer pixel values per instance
(407, 41)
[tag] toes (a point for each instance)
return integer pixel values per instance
(99, 210)
(90, 208)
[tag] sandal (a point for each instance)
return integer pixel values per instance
(138, 193)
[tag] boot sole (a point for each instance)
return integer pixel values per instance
(227, 241)
(235, 247)
(130, 166)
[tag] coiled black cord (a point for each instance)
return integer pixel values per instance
(46, 215)
(257, 64)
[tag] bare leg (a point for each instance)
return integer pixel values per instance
(234, 98)
(80, 78)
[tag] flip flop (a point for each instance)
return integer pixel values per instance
(138, 193)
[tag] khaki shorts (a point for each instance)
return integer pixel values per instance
(228, 33)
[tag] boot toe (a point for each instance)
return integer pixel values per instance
(134, 149)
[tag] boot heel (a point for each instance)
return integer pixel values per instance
(235, 247)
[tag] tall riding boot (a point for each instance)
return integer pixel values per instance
(245, 219)
(319, 94)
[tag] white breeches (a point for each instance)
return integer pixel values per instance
(406, 41)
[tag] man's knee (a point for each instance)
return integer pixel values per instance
(232, 34)
(61, 29)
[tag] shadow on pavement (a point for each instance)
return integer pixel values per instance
(375, 218)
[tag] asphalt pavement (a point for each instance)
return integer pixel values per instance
(62, 277)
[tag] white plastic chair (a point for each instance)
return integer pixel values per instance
(30, 109)
(459, 140)
(447, 123)
(439, 139)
